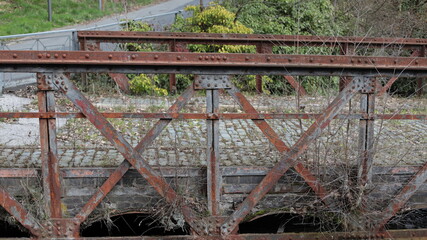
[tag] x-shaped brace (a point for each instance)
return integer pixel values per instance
(132, 155)
(290, 156)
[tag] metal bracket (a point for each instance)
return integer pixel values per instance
(92, 45)
(62, 227)
(212, 82)
(366, 85)
(51, 81)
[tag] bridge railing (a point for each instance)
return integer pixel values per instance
(212, 86)
(179, 42)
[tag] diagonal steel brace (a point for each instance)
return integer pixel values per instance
(115, 177)
(20, 214)
(274, 138)
(290, 158)
(128, 152)
(398, 201)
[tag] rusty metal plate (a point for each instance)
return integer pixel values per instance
(212, 82)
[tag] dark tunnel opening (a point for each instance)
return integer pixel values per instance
(133, 224)
(8, 230)
(284, 222)
(413, 219)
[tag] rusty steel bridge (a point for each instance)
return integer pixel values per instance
(358, 78)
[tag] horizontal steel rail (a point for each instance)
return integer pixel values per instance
(210, 63)
(246, 39)
(211, 116)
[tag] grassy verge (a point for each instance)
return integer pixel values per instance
(27, 16)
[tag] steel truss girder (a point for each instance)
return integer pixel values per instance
(134, 157)
(246, 39)
(210, 63)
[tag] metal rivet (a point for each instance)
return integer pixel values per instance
(207, 57)
(156, 56)
(64, 55)
(178, 57)
(200, 57)
(48, 55)
(311, 59)
(225, 58)
(289, 60)
(332, 60)
(87, 55)
(395, 61)
(110, 56)
(15, 55)
(246, 58)
(133, 56)
(56, 55)
(40, 55)
(268, 58)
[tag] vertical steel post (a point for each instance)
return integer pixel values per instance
(49, 10)
(420, 81)
(49, 155)
(366, 135)
(345, 49)
(262, 48)
(213, 173)
(172, 76)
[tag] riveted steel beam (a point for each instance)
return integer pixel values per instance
(214, 180)
(49, 151)
(247, 39)
(210, 63)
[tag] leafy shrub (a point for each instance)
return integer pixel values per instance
(146, 84)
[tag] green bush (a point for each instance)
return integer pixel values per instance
(146, 84)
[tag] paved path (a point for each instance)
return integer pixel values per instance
(183, 143)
